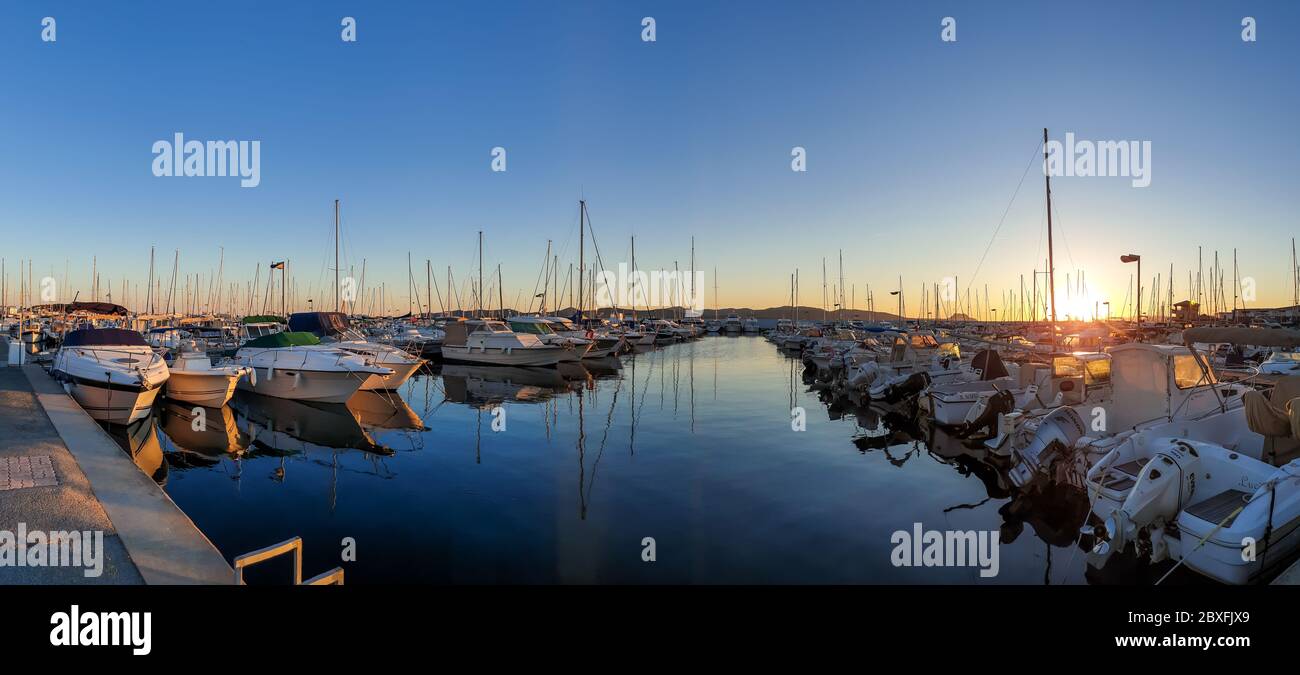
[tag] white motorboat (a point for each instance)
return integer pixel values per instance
(733, 324)
(1281, 363)
(751, 325)
(333, 329)
(951, 402)
(295, 365)
(575, 348)
(112, 373)
(1222, 513)
(164, 337)
(1156, 391)
(493, 343)
(603, 343)
(194, 379)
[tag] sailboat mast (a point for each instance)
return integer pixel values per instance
(336, 255)
(582, 260)
(479, 294)
(1051, 261)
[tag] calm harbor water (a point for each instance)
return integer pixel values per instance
(690, 444)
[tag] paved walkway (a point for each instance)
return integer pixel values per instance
(147, 538)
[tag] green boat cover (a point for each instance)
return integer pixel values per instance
(263, 318)
(286, 339)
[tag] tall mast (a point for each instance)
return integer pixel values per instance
(582, 260)
(1051, 262)
(336, 256)
(479, 294)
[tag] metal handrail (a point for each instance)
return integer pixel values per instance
(333, 577)
(293, 544)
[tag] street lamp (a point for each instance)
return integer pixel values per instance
(1107, 304)
(1133, 257)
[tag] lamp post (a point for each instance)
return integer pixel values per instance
(1107, 304)
(1133, 257)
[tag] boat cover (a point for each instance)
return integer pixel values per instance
(989, 365)
(319, 323)
(1258, 337)
(117, 337)
(285, 339)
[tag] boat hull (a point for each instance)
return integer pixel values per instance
(303, 385)
(401, 373)
(503, 357)
(114, 404)
(209, 390)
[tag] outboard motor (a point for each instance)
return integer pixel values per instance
(913, 385)
(1164, 486)
(983, 416)
(863, 376)
(1053, 439)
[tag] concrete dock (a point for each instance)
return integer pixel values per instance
(60, 471)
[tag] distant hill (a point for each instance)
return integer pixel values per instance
(784, 312)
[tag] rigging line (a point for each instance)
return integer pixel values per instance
(1038, 147)
(1061, 230)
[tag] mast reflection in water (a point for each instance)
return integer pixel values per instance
(690, 444)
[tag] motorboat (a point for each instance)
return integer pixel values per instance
(733, 324)
(1281, 363)
(750, 325)
(950, 403)
(603, 343)
(164, 337)
(334, 329)
(112, 373)
(491, 342)
(1156, 391)
(295, 365)
(575, 348)
(194, 379)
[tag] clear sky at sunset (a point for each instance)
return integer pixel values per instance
(914, 146)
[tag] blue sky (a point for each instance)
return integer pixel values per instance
(914, 146)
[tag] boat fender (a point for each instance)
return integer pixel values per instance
(252, 376)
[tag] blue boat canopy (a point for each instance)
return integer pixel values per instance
(319, 324)
(117, 337)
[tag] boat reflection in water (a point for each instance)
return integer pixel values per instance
(139, 439)
(201, 436)
(285, 426)
(384, 410)
(488, 386)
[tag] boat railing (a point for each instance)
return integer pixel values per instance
(293, 545)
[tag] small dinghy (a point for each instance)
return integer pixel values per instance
(195, 380)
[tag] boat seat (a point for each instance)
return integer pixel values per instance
(1124, 476)
(1218, 507)
(1276, 417)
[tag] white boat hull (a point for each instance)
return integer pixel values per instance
(209, 390)
(545, 356)
(111, 404)
(401, 373)
(299, 385)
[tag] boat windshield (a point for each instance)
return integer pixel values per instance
(1188, 372)
(529, 327)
